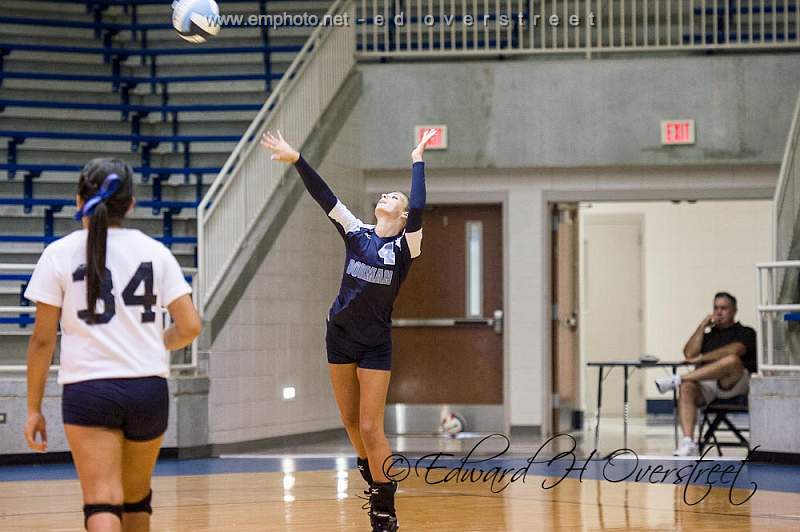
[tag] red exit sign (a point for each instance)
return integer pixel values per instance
(439, 140)
(677, 132)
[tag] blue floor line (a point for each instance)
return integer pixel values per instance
(763, 476)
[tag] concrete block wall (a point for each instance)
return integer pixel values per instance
(774, 423)
(187, 428)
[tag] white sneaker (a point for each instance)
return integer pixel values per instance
(668, 383)
(687, 447)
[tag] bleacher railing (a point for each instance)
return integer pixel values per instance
(787, 195)
(242, 189)
(778, 282)
(418, 28)
(778, 286)
(30, 311)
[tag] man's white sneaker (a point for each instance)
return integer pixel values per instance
(668, 383)
(687, 447)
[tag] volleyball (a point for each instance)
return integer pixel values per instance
(195, 20)
(452, 424)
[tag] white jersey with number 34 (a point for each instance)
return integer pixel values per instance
(126, 339)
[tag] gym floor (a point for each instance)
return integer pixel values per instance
(316, 487)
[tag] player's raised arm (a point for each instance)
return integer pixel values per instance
(416, 200)
(344, 220)
(316, 186)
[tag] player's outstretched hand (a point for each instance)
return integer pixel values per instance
(33, 426)
(416, 155)
(281, 151)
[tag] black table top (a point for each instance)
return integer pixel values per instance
(638, 363)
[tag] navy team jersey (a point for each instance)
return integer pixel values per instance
(375, 267)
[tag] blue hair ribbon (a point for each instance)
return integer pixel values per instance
(110, 185)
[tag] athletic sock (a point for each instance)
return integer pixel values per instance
(382, 495)
(363, 468)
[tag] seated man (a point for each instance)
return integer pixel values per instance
(724, 354)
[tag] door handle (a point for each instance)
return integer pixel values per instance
(497, 322)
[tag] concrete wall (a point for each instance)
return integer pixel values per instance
(187, 428)
(774, 423)
(276, 335)
(576, 113)
(529, 133)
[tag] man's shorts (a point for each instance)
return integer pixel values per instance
(139, 406)
(711, 389)
(343, 350)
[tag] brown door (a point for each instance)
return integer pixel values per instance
(448, 347)
(566, 362)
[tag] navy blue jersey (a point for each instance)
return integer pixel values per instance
(375, 267)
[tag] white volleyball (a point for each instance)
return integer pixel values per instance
(452, 423)
(195, 20)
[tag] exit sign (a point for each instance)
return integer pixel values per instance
(677, 132)
(439, 140)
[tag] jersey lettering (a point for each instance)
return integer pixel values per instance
(387, 254)
(106, 295)
(143, 274)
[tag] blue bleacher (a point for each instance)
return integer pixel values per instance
(146, 172)
(22, 320)
(138, 111)
(141, 143)
(732, 18)
(117, 42)
(114, 137)
(126, 83)
(734, 37)
(125, 109)
(116, 56)
(6, 48)
(736, 6)
(106, 31)
(45, 239)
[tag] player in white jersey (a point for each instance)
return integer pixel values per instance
(106, 286)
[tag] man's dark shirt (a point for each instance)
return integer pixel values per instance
(735, 333)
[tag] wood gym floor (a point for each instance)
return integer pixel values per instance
(319, 492)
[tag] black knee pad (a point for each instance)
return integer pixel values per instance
(141, 506)
(91, 509)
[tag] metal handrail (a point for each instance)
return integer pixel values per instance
(214, 259)
(768, 310)
(788, 165)
(437, 28)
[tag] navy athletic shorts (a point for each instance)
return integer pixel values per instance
(138, 406)
(343, 350)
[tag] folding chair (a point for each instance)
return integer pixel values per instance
(715, 419)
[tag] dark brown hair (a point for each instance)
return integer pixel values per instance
(109, 211)
(726, 295)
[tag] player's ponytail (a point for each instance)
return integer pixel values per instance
(105, 186)
(96, 255)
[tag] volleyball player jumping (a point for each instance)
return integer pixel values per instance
(114, 352)
(358, 337)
